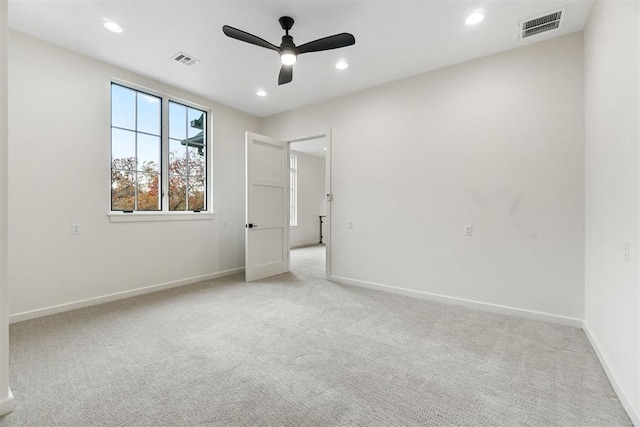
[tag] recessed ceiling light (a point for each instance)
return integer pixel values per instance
(113, 27)
(341, 65)
(261, 93)
(474, 18)
(325, 148)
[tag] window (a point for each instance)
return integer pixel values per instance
(293, 191)
(135, 150)
(187, 155)
(157, 166)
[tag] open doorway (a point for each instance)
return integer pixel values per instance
(309, 233)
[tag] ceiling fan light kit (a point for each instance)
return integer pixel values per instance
(288, 58)
(288, 50)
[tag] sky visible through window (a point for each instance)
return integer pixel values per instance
(148, 121)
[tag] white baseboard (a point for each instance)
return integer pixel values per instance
(7, 405)
(494, 308)
(304, 245)
(27, 315)
(633, 412)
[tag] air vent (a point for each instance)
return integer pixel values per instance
(542, 24)
(185, 59)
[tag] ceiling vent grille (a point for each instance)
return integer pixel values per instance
(542, 24)
(184, 58)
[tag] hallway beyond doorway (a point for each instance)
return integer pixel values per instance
(308, 261)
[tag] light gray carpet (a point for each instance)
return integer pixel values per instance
(309, 261)
(296, 350)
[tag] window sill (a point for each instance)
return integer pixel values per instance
(159, 216)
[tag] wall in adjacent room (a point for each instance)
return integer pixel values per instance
(311, 200)
(612, 117)
(59, 175)
(496, 143)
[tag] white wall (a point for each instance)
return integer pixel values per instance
(496, 143)
(59, 175)
(612, 91)
(311, 200)
(6, 399)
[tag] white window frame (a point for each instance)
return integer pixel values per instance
(165, 214)
(293, 190)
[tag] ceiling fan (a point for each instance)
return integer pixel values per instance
(288, 50)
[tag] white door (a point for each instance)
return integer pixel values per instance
(266, 207)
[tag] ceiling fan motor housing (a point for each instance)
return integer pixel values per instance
(288, 44)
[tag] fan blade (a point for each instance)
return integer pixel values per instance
(243, 36)
(286, 74)
(327, 43)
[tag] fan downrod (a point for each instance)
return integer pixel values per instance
(286, 22)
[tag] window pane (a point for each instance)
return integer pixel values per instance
(177, 157)
(122, 191)
(196, 195)
(148, 194)
(293, 188)
(123, 149)
(196, 124)
(123, 107)
(177, 121)
(177, 193)
(148, 153)
(148, 114)
(196, 163)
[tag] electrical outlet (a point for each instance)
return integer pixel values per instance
(224, 223)
(468, 230)
(349, 224)
(75, 229)
(626, 251)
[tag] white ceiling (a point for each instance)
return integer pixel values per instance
(394, 39)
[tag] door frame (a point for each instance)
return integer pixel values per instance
(329, 194)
